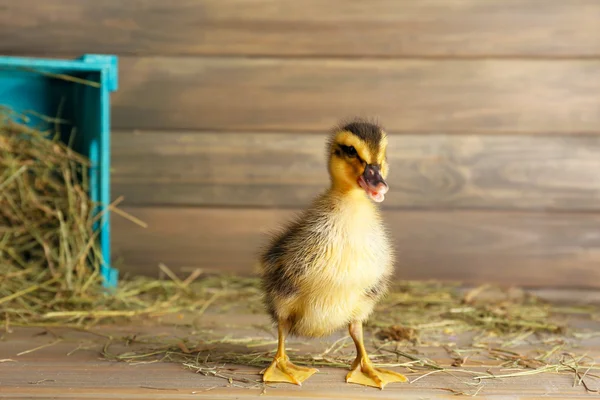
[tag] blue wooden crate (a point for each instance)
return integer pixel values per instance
(31, 84)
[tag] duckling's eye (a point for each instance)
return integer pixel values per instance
(349, 150)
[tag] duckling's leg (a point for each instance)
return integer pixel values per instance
(362, 371)
(282, 369)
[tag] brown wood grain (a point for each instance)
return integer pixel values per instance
(288, 170)
(384, 28)
(49, 373)
(529, 249)
(408, 95)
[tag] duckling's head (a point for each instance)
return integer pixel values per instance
(357, 159)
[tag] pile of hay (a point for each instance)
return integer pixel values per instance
(48, 254)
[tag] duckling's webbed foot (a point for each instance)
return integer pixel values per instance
(362, 371)
(282, 369)
(366, 374)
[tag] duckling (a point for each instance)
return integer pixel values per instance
(330, 266)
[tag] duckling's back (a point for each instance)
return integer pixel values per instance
(328, 267)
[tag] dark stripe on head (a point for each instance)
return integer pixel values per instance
(369, 132)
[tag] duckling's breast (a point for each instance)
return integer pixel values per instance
(351, 260)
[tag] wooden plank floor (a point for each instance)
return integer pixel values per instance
(61, 363)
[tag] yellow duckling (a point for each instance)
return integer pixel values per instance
(331, 265)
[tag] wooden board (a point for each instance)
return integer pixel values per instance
(413, 96)
(531, 249)
(67, 365)
(383, 28)
(288, 170)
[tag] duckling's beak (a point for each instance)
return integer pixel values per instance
(373, 183)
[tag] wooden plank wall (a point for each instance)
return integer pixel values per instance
(219, 122)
